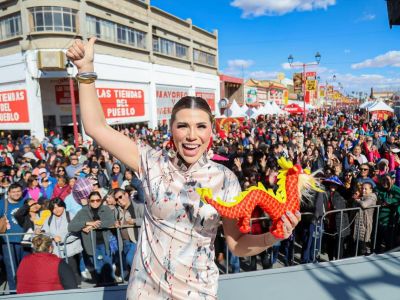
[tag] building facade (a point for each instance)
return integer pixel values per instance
(146, 59)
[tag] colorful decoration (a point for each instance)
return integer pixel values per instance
(293, 183)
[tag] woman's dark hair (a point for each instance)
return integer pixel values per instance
(94, 193)
(191, 103)
(56, 201)
(31, 180)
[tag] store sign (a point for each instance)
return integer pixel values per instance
(63, 95)
(298, 82)
(208, 95)
(251, 96)
(166, 97)
(14, 107)
(121, 103)
(311, 75)
(311, 85)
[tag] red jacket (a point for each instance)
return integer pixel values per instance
(38, 272)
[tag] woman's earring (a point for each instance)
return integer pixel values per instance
(172, 148)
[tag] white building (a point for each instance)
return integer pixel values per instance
(146, 59)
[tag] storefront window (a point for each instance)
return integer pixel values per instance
(203, 57)
(53, 18)
(113, 32)
(10, 26)
(169, 47)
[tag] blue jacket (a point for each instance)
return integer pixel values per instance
(15, 228)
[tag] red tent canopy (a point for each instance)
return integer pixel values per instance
(293, 109)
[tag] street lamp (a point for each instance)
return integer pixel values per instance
(70, 71)
(304, 65)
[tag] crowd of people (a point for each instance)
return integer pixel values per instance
(91, 205)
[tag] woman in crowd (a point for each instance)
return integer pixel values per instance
(33, 190)
(93, 222)
(43, 271)
(62, 188)
(57, 227)
(174, 257)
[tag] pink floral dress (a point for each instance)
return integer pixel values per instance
(175, 253)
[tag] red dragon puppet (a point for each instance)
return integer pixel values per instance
(293, 184)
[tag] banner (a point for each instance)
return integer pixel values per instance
(311, 85)
(322, 91)
(208, 95)
(14, 107)
(166, 97)
(251, 96)
(121, 103)
(285, 97)
(311, 75)
(330, 90)
(298, 82)
(226, 123)
(63, 95)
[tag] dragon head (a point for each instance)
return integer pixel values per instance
(306, 180)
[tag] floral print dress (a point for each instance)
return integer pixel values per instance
(175, 254)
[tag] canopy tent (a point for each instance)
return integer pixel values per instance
(252, 112)
(367, 105)
(293, 109)
(276, 109)
(380, 106)
(244, 108)
(234, 111)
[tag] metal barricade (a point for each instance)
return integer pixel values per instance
(321, 221)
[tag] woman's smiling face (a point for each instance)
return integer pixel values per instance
(191, 132)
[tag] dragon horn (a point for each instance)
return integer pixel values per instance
(204, 193)
(285, 164)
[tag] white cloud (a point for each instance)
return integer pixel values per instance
(240, 63)
(263, 75)
(364, 82)
(256, 8)
(391, 58)
(366, 17)
(237, 67)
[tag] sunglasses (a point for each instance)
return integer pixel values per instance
(364, 169)
(95, 200)
(119, 197)
(61, 170)
(45, 180)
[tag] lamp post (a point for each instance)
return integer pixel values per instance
(70, 71)
(304, 65)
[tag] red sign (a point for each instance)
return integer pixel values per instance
(63, 95)
(293, 109)
(224, 124)
(208, 95)
(14, 107)
(167, 96)
(311, 75)
(121, 103)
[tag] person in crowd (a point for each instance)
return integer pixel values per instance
(43, 271)
(129, 215)
(74, 168)
(13, 251)
(62, 189)
(128, 176)
(364, 175)
(336, 223)
(364, 220)
(47, 187)
(33, 189)
(98, 175)
(65, 244)
(93, 222)
(388, 220)
(79, 195)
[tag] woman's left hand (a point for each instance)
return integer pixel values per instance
(290, 221)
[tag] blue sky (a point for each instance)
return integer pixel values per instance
(257, 36)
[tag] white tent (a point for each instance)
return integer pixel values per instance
(234, 111)
(367, 105)
(244, 108)
(380, 106)
(276, 109)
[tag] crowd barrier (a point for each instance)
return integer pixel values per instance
(318, 235)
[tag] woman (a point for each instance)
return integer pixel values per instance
(174, 257)
(97, 174)
(98, 218)
(33, 190)
(57, 227)
(42, 271)
(127, 179)
(62, 189)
